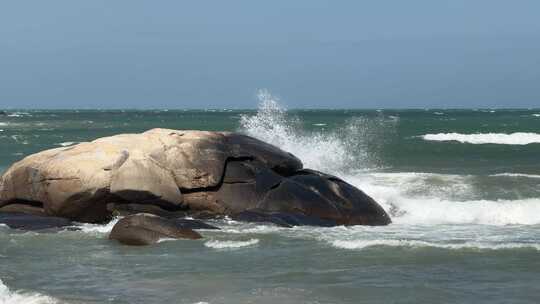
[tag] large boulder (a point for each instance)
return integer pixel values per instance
(147, 229)
(175, 173)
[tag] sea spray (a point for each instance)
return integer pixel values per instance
(350, 150)
(351, 146)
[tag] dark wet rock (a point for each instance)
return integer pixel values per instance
(253, 216)
(194, 224)
(174, 173)
(32, 222)
(23, 208)
(125, 209)
(271, 156)
(147, 229)
(287, 220)
(318, 195)
(3, 113)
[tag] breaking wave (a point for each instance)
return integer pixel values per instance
(17, 297)
(517, 175)
(425, 198)
(362, 244)
(215, 244)
(409, 197)
(67, 143)
(338, 150)
(99, 228)
(485, 212)
(519, 138)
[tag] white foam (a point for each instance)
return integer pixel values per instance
(362, 244)
(485, 212)
(18, 297)
(3, 124)
(166, 240)
(536, 115)
(331, 151)
(424, 198)
(230, 244)
(19, 139)
(519, 138)
(516, 175)
(244, 228)
(99, 228)
(67, 143)
(19, 114)
(409, 197)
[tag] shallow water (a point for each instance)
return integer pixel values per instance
(465, 202)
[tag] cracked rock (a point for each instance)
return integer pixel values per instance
(176, 173)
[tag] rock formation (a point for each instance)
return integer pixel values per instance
(174, 173)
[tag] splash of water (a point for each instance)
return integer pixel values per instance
(17, 297)
(410, 197)
(336, 151)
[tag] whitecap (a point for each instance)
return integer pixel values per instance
(166, 240)
(19, 139)
(484, 212)
(519, 138)
(536, 115)
(99, 228)
(428, 198)
(19, 114)
(3, 124)
(249, 228)
(215, 244)
(362, 244)
(516, 175)
(18, 297)
(67, 143)
(319, 124)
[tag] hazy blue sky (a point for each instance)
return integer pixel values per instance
(311, 53)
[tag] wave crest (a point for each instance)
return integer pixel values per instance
(215, 244)
(17, 297)
(363, 244)
(519, 138)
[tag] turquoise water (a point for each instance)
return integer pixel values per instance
(462, 186)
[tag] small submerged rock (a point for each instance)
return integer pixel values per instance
(147, 229)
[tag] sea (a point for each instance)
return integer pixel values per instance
(462, 187)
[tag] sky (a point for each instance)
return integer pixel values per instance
(309, 53)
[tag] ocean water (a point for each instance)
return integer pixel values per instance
(462, 187)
